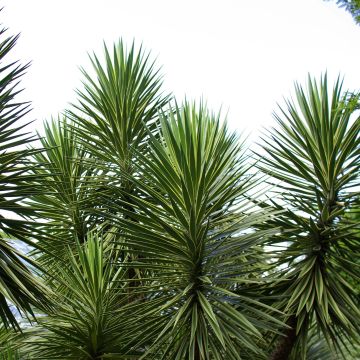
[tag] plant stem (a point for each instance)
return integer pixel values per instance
(286, 343)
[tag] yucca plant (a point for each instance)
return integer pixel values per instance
(72, 182)
(18, 285)
(192, 226)
(119, 106)
(7, 340)
(314, 153)
(115, 112)
(318, 348)
(154, 233)
(86, 322)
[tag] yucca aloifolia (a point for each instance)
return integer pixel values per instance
(116, 110)
(72, 185)
(190, 232)
(119, 106)
(86, 322)
(18, 284)
(315, 154)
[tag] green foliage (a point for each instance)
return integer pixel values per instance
(7, 345)
(314, 152)
(155, 237)
(86, 322)
(190, 236)
(318, 348)
(17, 283)
(73, 185)
(119, 106)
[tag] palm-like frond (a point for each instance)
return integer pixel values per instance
(318, 348)
(116, 110)
(86, 322)
(12, 162)
(7, 348)
(72, 183)
(17, 283)
(191, 242)
(315, 154)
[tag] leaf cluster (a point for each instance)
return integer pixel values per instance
(154, 237)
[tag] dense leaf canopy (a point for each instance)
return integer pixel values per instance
(155, 233)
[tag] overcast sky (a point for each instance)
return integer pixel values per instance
(241, 55)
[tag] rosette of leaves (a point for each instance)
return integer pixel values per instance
(315, 155)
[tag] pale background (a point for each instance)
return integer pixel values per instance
(241, 55)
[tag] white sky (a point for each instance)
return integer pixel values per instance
(241, 54)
